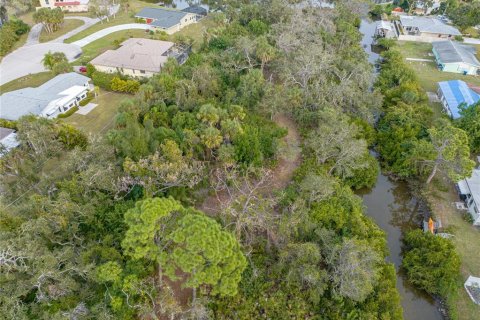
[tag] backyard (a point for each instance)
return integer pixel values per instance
(442, 197)
(427, 72)
(100, 119)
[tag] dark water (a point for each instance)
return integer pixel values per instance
(396, 210)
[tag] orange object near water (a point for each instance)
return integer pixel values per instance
(430, 225)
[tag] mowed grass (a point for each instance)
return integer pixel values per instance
(100, 119)
(121, 17)
(427, 72)
(67, 26)
(33, 80)
(466, 239)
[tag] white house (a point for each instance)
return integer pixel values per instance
(469, 190)
(427, 27)
(66, 5)
(168, 20)
(385, 29)
(8, 140)
(52, 98)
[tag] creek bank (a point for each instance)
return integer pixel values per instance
(395, 209)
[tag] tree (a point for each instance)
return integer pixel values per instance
(210, 256)
(100, 9)
(164, 170)
(431, 262)
(161, 230)
(354, 269)
(51, 19)
(470, 122)
(264, 51)
(57, 62)
(334, 143)
(447, 151)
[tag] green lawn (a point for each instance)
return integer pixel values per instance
(122, 17)
(33, 80)
(68, 25)
(427, 72)
(100, 119)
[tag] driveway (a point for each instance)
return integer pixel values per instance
(28, 59)
(104, 32)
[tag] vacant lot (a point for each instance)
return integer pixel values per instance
(67, 26)
(442, 197)
(427, 72)
(100, 119)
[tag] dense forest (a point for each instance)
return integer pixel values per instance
(177, 212)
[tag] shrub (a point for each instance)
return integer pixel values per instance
(431, 262)
(68, 113)
(128, 86)
(459, 38)
(102, 79)
(8, 124)
(71, 137)
(19, 26)
(8, 37)
(85, 101)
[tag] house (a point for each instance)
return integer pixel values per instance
(52, 98)
(427, 27)
(452, 56)
(426, 7)
(385, 29)
(398, 11)
(168, 20)
(197, 10)
(454, 93)
(469, 190)
(139, 57)
(66, 5)
(8, 140)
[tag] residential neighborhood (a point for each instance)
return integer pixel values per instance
(269, 159)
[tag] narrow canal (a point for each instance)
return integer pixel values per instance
(395, 210)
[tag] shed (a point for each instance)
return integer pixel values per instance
(452, 56)
(8, 140)
(454, 93)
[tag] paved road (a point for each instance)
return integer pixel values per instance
(471, 40)
(34, 34)
(28, 59)
(104, 32)
(88, 22)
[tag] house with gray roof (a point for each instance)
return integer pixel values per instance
(168, 20)
(452, 56)
(428, 27)
(52, 98)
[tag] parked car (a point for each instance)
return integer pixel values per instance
(82, 69)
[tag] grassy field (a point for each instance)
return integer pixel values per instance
(33, 80)
(100, 119)
(122, 17)
(68, 25)
(427, 72)
(442, 197)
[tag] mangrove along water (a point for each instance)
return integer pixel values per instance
(395, 210)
